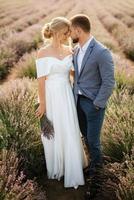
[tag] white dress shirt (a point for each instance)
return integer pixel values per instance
(82, 51)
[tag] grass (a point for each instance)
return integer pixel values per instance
(14, 49)
(128, 46)
(25, 67)
(19, 125)
(119, 30)
(126, 186)
(13, 182)
(118, 132)
(124, 73)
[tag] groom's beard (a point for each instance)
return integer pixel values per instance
(75, 40)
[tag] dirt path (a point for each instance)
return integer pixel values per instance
(56, 191)
(103, 187)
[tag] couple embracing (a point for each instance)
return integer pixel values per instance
(77, 109)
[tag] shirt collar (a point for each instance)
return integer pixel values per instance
(85, 46)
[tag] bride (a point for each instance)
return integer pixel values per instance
(64, 153)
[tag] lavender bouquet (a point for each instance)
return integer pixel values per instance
(46, 125)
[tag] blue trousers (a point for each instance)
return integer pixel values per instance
(90, 121)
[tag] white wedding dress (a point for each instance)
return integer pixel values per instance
(64, 153)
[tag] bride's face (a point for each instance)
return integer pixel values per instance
(63, 34)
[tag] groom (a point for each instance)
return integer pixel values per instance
(93, 85)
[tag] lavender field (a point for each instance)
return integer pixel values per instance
(22, 163)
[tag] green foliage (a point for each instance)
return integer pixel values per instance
(13, 182)
(126, 186)
(118, 132)
(25, 67)
(19, 125)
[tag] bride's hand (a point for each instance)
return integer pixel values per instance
(40, 110)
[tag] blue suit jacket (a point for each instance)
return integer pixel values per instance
(96, 78)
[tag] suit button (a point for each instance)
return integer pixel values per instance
(78, 82)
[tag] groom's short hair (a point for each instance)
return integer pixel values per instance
(81, 21)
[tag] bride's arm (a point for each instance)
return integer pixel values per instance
(72, 73)
(41, 92)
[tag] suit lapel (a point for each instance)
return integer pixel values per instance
(75, 60)
(87, 55)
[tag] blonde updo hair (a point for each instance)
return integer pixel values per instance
(55, 25)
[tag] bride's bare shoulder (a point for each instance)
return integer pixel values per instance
(43, 51)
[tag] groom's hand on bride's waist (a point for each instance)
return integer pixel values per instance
(98, 108)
